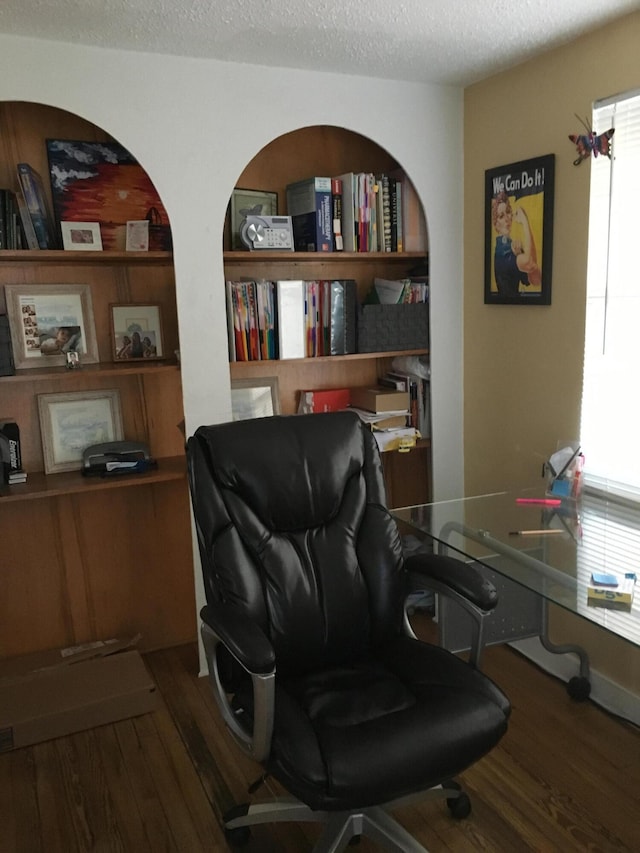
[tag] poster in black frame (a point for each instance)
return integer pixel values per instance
(519, 232)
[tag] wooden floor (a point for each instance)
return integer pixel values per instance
(565, 777)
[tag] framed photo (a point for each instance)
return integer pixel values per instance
(249, 203)
(103, 181)
(254, 398)
(71, 422)
(81, 236)
(519, 232)
(137, 235)
(136, 332)
(49, 320)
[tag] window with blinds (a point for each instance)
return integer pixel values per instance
(611, 398)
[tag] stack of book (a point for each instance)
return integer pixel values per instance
(310, 206)
(25, 218)
(386, 411)
(41, 233)
(380, 213)
(356, 212)
(291, 319)
(418, 389)
(404, 291)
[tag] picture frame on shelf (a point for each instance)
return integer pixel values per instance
(254, 398)
(136, 332)
(519, 232)
(49, 320)
(246, 202)
(81, 236)
(137, 235)
(70, 422)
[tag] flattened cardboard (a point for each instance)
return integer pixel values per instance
(25, 665)
(47, 695)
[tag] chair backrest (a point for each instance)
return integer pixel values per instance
(294, 531)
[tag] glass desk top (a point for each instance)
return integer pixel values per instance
(593, 535)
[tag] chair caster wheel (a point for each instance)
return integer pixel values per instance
(460, 806)
(236, 836)
(579, 688)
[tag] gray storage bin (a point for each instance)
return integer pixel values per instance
(393, 327)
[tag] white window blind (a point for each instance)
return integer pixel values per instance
(610, 420)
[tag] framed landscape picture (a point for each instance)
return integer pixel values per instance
(102, 182)
(71, 422)
(519, 232)
(48, 321)
(136, 332)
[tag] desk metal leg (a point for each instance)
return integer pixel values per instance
(579, 687)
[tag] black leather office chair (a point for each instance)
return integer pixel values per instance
(316, 670)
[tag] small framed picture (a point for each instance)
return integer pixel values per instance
(136, 332)
(48, 321)
(254, 398)
(249, 203)
(137, 235)
(81, 236)
(71, 422)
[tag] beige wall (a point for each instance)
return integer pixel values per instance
(523, 365)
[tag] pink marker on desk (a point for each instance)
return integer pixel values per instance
(540, 501)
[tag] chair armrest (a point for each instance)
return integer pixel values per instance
(461, 578)
(462, 582)
(253, 652)
(241, 636)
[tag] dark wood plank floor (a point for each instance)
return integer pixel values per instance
(566, 777)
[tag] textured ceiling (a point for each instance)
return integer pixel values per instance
(442, 41)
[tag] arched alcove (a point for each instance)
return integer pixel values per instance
(90, 558)
(324, 150)
(329, 151)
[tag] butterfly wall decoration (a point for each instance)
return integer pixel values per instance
(591, 143)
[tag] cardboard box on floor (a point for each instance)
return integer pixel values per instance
(48, 694)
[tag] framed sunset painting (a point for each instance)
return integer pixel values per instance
(102, 182)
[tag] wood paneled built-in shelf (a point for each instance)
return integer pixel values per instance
(408, 475)
(41, 485)
(323, 257)
(60, 256)
(88, 370)
(89, 558)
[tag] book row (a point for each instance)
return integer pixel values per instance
(291, 319)
(303, 319)
(25, 219)
(356, 212)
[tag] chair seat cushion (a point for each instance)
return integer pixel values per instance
(354, 736)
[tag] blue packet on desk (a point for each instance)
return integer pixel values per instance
(604, 579)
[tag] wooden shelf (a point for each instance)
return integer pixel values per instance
(337, 258)
(60, 256)
(241, 367)
(103, 369)
(41, 485)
